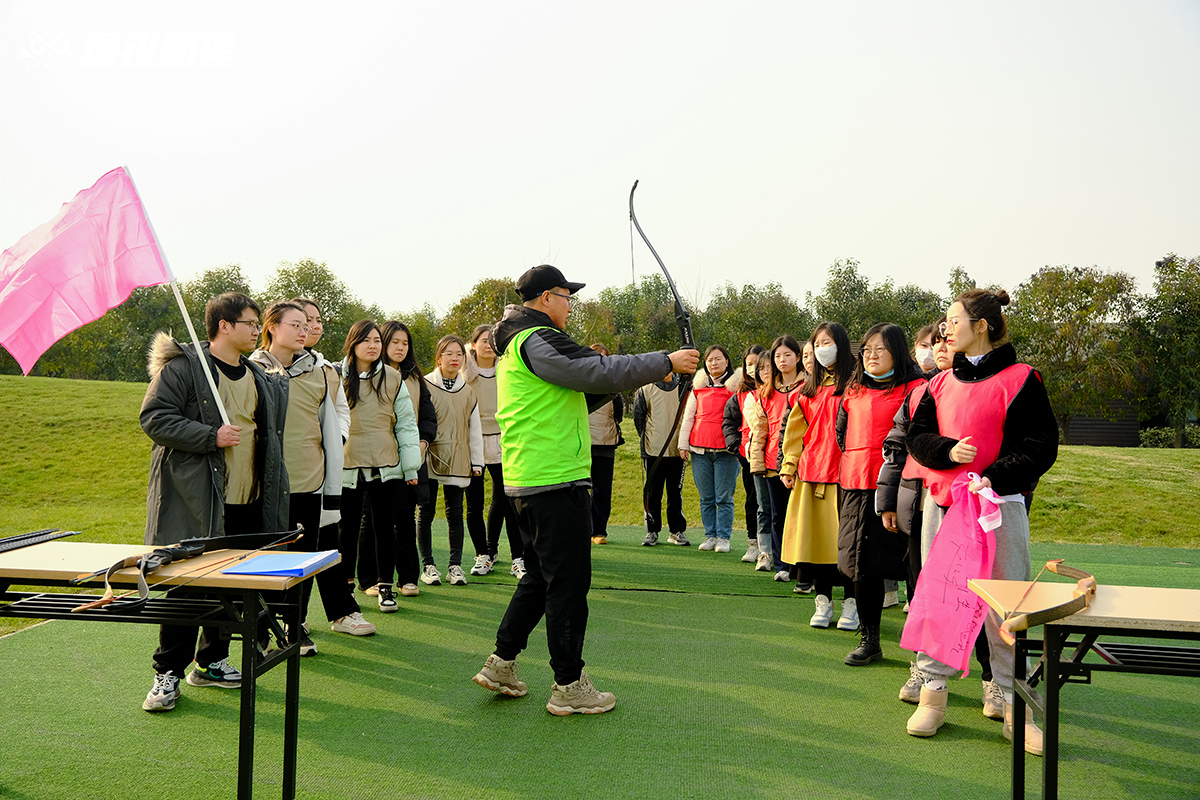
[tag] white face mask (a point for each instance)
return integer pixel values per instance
(925, 358)
(826, 355)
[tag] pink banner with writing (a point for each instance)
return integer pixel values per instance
(946, 616)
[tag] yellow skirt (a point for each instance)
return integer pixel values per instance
(810, 529)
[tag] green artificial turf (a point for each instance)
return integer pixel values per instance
(723, 692)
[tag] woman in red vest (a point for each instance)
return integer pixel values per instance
(776, 397)
(868, 551)
(737, 436)
(989, 415)
(701, 440)
(811, 464)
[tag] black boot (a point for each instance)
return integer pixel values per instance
(868, 649)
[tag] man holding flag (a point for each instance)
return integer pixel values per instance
(208, 478)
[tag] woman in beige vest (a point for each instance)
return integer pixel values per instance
(454, 457)
(381, 454)
(480, 370)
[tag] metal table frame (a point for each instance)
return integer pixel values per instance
(1057, 648)
(200, 604)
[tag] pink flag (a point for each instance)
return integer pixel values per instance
(946, 616)
(77, 266)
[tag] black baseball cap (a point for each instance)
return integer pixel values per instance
(539, 279)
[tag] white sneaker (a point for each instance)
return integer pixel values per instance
(751, 552)
(782, 576)
(993, 700)
(456, 575)
(163, 693)
(910, 692)
(823, 614)
(709, 543)
(483, 565)
(353, 624)
(518, 568)
(722, 545)
(849, 619)
(891, 599)
(387, 599)
(430, 576)
(764, 560)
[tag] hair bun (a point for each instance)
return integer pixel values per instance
(1001, 297)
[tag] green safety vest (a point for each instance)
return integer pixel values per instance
(543, 428)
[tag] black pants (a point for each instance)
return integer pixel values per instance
(305, 509)
(177, 644)
(556, 528)
(454, 520)
(500, 514)
(603, 463)
(381, 497)
(779, 500)
(408, 563)
(751, 499)
(669, 475)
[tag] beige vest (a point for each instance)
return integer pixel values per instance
(241, 401)
(485, 393)
(372, 441)
(303, 452)
(604, 426)
(450, 453)
(661, 408)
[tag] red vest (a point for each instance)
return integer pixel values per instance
(710, 413)
(774, 408)
(977, 409)
(742, 397)
(869, 419)
(912, 469)
(821, 459)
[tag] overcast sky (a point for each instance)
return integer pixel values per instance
(420, 147)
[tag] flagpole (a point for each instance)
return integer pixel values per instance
(187, 319)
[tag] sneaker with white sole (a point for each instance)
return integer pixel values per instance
(782, 575)
(456, 575)
(483, 565)
(307, 646)
(709, 543)
(993, 700)
(722, 546)
(409, 590)
(430, 576)
(763, 563)
(372, 591)
(751, 552)
(500, 676)
(353, 624)
(387, 599)
(163, 693)
(891, 599)
(651, 539)
(517, 570)
(680, 539)
(219, 673)
(803, 588)
(849, 619)
(579, 697)
(823, 614)
(911, 691)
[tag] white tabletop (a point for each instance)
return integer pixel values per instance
(1132, 607)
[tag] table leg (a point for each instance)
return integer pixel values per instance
(291, 714)
(249, 631)
(1053, 659)
(1020, 675)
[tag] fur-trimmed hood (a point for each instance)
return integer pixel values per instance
(732, 383)
(163, 348)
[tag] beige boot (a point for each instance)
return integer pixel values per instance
(928, 717)
(1033, 734)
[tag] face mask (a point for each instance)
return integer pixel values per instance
(826, 355)
(925, 358)
(882, 377)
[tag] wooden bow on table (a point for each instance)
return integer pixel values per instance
(1081, 598)
(147, 563)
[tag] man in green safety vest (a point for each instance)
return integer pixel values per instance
(547, 384)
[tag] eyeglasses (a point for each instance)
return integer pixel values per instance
(299, 327)
(570, 298)
(952, 322)
(874, 351)
(254, 324)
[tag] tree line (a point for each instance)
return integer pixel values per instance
(1095, 340)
